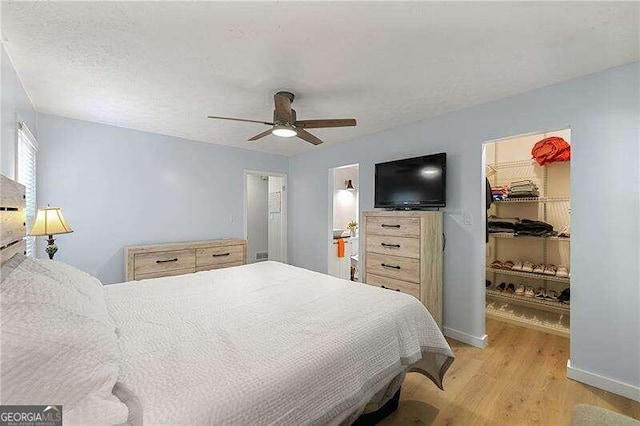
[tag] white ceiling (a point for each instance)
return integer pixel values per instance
(163, 67)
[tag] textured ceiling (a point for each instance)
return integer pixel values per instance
(163, 67)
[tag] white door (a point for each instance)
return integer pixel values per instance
(265, 216)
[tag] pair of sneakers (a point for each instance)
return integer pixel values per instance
(546, 294)
(525, 291)
(519, 265)
(545, 269)
(520, 289)
(510, 288)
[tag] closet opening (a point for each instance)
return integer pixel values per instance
(265, 216)
(344, 212)
(528, 262)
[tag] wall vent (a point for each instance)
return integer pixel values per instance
(262, 255)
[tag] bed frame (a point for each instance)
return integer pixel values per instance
(372, 419)
(13, 226)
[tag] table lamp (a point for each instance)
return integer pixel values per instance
(50, 222)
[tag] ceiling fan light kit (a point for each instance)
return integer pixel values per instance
(284, 131)
(285, 123)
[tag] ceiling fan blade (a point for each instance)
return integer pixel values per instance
(240, 119)
(317, 124)
(283, 106)
(260, 135)
(306, 136)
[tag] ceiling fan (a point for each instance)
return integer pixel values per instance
(286, 125)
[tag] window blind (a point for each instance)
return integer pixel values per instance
(26, 175)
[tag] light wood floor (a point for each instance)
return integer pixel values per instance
(519, 379)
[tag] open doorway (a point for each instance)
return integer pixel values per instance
(342, 237)
(528, 258)
(265, 216)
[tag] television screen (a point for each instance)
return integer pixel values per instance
(412, 182)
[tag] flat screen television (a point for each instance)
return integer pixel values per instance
(412, 183)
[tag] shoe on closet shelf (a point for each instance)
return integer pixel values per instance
(565, 296)
(487, 284)
(496, 264)
(551, 295)
(501, 287)
(511, 288)
(527, 266)
(517, 266)
(550, 270)
(562, 272)
(528, 292)
(538, 269)
(507, 265)
(520, 290)
(541, 293)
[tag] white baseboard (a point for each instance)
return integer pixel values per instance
(478, 342)
(604, 383)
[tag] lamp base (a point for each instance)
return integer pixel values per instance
(51, 247)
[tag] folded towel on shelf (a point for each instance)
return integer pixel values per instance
(523, 188)
(532, 194)
(499, 192)
(526, 188)
(521, 192)
(500, 189)
(522, 182)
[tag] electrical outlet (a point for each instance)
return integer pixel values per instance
(232, 218)
(467, 218)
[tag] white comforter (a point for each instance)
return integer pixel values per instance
(265, 343)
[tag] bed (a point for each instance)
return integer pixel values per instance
(265, 343)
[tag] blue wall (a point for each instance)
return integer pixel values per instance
(120, 187)
(603, 111)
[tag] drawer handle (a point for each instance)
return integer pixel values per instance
(390, 226)
(389, 288)
(384, 265)
(221, 255)
(390, 245)
(175, 259)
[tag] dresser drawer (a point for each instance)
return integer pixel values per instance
(219, 255)
(396, 246)
(156, 263)
(392, 284)
(393, 226)
(400, 268)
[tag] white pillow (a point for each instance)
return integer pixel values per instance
(58, 344)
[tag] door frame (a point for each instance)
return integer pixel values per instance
(483, 163)
(330, 195)
(283, 212)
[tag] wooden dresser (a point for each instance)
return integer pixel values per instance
(163, 260)
(403, 252)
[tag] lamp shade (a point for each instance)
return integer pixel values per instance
(49, 221)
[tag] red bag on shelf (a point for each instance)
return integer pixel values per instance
(550, 150)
